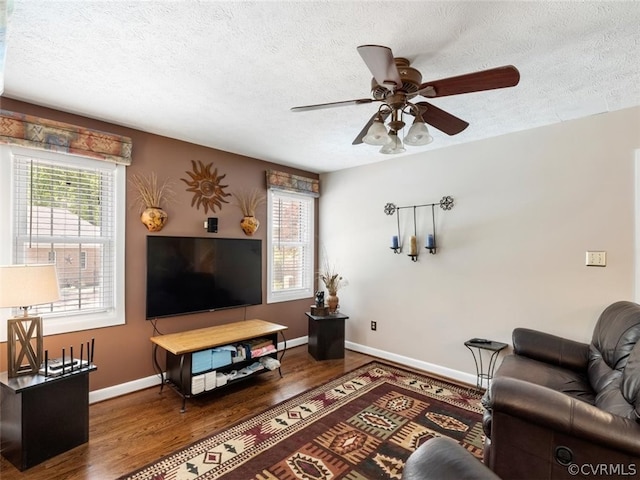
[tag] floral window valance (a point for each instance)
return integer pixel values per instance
(35, 132)
(293, 183)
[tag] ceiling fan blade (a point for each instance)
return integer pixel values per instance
(443, 121)
(363, 133)
(358, 101)
(382, 65)
(500, 77)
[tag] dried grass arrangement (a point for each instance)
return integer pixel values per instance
(248, 201)
(151, 193)
(332, 280)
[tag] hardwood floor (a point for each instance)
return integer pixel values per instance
(127, 432)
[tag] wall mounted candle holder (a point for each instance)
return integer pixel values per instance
(446, 203)
(396, 242)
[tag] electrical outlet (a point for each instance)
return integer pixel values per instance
(596, 259)
(374, 325)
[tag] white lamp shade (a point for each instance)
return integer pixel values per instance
(27, 285)
(418, 135)
(393, 146)
(376, 135)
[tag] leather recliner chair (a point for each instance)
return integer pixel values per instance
(558, 408)
(442, 458)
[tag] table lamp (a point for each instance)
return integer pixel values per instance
(22, 286)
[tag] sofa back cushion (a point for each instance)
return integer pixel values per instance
(614, 338)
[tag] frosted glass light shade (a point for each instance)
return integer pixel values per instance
(27, 285)
(377, 134)
(418, 135)
(393, 146)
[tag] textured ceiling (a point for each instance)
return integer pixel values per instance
(224, 74)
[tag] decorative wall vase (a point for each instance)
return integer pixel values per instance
(332, 302)
(154, 218)
(249, 225)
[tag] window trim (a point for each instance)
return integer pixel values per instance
(302, 293)
(56, 324)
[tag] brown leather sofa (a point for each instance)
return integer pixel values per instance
(558, 408)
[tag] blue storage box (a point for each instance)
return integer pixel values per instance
(201, 361)
(220, 358)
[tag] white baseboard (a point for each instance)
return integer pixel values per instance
(463, 377)
(295, 342)
(123, 388)
(154, 380)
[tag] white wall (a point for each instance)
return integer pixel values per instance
(512, 250)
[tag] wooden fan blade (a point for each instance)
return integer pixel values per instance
(380, 62)
(363, 133)
(500, 77)
(443, 121)
(358, 101)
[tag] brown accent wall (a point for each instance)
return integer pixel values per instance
(124, 353)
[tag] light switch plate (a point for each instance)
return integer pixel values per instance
(596, 259)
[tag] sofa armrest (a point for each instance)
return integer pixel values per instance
(564, 415)
(442, 458)
(551, 349)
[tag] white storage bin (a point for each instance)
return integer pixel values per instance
(197, 384)
(210, 380)
(221, 379)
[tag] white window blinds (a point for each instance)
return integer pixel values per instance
(291, 246)
(64, 213)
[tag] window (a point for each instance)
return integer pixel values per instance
(290, 245)
(69, 211)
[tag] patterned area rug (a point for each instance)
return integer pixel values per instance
(360, 426)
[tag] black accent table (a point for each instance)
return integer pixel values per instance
(43, 416)
(495, 348)
(326, 336)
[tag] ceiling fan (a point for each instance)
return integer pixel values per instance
(395, 83)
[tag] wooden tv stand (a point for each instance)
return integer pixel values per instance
(180, 348)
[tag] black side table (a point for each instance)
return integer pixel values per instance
(43, 416)
(326, 336)
(495, 348)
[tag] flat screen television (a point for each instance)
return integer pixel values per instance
(193, 274)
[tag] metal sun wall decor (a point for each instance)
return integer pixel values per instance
(206, 187)
(446, 203)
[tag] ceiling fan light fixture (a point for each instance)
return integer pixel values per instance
(395, 83)
(393, 146)
(377, 133)
(418, 134)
